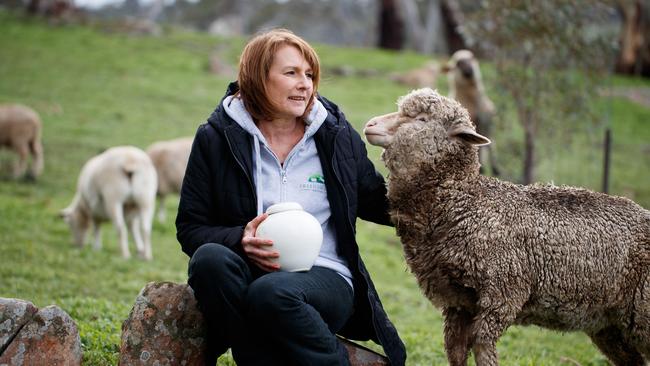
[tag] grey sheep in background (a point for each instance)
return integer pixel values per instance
(491, 253)
(466, 86)
(170, 160)
(20, 131)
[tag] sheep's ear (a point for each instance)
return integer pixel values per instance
(444, 68)
(468, 135)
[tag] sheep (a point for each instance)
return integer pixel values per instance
(170, 159)
(117, 185)
(20, 130)
(424, 76)
(466, 86)
(491, 253)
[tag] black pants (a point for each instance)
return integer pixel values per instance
(278, 318)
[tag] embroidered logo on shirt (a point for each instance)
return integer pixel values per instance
(315, 182)
(316, 178)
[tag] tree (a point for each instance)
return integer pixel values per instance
(548, 59)
(391, 26)
(634, 54)
(425, 33)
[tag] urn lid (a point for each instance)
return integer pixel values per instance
(284, 206)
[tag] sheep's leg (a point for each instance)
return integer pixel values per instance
(612, 344)
(485, 354)
(37, 158)
(116, 214)
(20, 165)
(97, 235)
(640, 331)
(458, 337)
(498, 310)
(134, 227)
(161, 209)
(146, 221)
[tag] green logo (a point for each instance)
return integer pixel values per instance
(316, 178)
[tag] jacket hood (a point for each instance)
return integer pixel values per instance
(219, 119)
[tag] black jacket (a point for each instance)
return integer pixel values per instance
(218, 199)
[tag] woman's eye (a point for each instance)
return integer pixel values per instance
(289, 72)
(310, 75)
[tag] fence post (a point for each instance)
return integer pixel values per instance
(607, 147)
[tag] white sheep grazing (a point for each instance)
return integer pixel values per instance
(118, 185)
(170, 159)
(20, 130)
(491, 253)
(466, 86)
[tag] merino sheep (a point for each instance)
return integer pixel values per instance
(20, 130)
(466, 86)
(491, 253)
(117, 185)
(170, 159)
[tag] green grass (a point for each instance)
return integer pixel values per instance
(94, 90)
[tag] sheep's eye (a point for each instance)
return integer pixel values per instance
(422, 119)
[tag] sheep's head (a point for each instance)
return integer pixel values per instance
(462, 63)
(78, 223)
(427, 128)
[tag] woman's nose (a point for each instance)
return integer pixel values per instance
(304, 82)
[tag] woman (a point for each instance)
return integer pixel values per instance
(269, 134)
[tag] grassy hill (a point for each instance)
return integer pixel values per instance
(95, 89)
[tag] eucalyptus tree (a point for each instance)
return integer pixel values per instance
(549, 59)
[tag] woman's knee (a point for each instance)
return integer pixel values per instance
(269, 297)
(210, 259)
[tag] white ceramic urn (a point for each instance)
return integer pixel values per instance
(296, 235)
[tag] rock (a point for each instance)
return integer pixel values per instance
(165, 327)
(49, 337)
(362, 356)
(14, 314)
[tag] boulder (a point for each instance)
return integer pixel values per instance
(14, 314)
(165, 327)
(362, 356)
(47, 337)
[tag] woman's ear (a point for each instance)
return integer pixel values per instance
(469, 136)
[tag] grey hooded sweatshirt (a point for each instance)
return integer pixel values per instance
(300, 179)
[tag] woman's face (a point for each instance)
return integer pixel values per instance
(289, 83)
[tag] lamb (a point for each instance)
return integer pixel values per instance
(466, 86)
(117, 185)
(170, 159)
(491, 253)
(20, 130)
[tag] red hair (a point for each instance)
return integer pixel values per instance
(255, 63)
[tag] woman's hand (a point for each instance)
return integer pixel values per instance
(258, 249)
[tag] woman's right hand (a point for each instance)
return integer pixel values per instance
(258, 249)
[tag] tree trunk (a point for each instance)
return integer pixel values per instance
(453, 18)
(426, 35)
(34, 7)
(434, 39)
(634, 56)
(391, 26)
(412, 23)
(529, 150)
